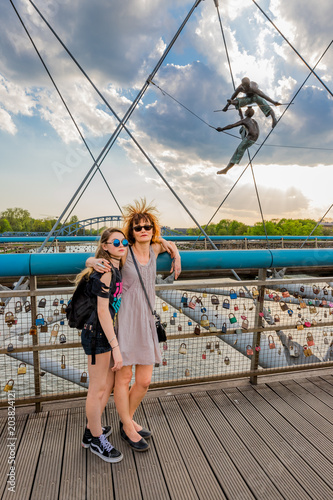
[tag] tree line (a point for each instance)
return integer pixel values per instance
(19, 220)
(274, 227)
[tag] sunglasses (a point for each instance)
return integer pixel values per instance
(116, 243)
(147, 227)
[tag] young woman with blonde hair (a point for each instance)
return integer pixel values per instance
(99, 339)
(137, 335)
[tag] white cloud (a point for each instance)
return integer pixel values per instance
(6, 122)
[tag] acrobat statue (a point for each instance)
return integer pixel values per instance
(249, 132)
(253, 94)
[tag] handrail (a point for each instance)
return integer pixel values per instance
(179, 238)
(72, 263)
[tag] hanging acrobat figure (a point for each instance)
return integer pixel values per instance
(249, 132)
(253, 94)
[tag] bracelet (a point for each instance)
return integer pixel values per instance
(111, 340)
(114, 346)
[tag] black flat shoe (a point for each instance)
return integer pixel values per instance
(141, 445)
(144, 433)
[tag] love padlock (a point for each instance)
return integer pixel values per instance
(22, 369)
(44, 328)
(33, 330)
(271, 342)
(182, 349)
(83, 377)
(257, 348)
(165, 346)
(184, 299)
(165, 306)
(164, 362)
(249, 350)
(18, 306)
(27, 306)
(204, 355)
(197, 330)
(63, 362)
(42, 303)
(227, 360)
(193, 302)
(187, 372)
(9, 386)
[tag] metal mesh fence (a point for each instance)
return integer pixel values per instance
(214, 330)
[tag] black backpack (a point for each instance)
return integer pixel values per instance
(81, 306)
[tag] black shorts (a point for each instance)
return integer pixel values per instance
(102, 343)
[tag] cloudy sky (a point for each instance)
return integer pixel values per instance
(118, 44)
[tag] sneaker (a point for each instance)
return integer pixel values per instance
(101, 447)
(87, 436)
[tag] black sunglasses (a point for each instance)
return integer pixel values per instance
(116, 243)
(146, 227)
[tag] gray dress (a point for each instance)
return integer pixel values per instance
(137, 335)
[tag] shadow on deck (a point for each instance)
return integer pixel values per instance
(271, 441)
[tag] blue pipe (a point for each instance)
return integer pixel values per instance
(72, 263)
(40, 239)
(90, 239)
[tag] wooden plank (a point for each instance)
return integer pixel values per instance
(208, 428)
(3, 424)
(308, 430)
(290, 461)
(317, 391)
(73, 479)
(125, 480)
(309, 399)
(20, 422)
(303, 409)
(194, 458)
(176, 476)
(149, 468)
(323, 384)
(99, 477)
(48, 473)
(327, 378)
(257, 446)
(28, 455)
(289, 425)
(253, 474)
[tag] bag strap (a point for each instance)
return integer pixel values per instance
(141, 281)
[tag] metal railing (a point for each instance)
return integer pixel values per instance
(216, 330)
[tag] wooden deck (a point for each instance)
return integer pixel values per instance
(271, 441)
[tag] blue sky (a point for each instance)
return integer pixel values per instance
(118, 44)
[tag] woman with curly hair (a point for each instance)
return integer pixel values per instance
(137, 335)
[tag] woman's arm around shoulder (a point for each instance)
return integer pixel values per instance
(171, 248)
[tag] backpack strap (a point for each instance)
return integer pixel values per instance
(94, 326)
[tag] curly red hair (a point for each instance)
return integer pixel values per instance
(137, 212)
